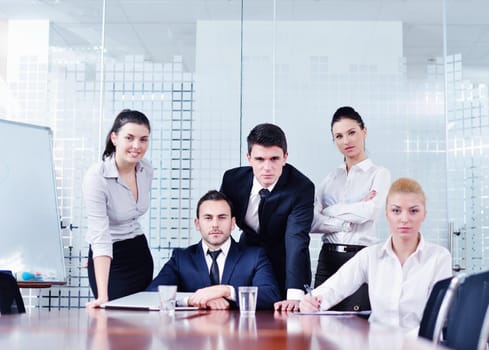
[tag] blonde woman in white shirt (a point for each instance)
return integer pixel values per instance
(348, 203)
(400, 272)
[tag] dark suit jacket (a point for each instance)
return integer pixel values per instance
(286, 225)
(244, 266)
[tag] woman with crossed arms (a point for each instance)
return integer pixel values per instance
(348, 203)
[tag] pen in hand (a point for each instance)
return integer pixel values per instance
(314, 303)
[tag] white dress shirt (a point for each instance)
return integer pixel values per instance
(339, 210)
(221, 261)
(398, 294)
(251, 217)
(112, 210)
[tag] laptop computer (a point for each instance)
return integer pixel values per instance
(146, 301)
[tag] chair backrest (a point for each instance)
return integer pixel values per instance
(484, 336)
(467, 314)
(10, 298)
(432, 308)
(437, 308)
(446, 308)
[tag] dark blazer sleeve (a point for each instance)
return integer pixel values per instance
(250, 266)
(264, 279)
(285, 231)
(236, 184)
(169, 274)
(186, 269)
(297, 258)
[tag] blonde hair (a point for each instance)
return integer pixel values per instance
(407, 185)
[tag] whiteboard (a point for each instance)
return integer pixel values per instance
(30, 236)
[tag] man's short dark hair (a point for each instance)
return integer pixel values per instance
(214, 195)
(267, 135)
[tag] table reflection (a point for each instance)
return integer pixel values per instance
(247, 326)
(195, 330)
(107, 331)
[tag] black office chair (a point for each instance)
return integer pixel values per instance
(466, 317)
(484, 336)
(10, 298)
(438, 306)
(432, 308)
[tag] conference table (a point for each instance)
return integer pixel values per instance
(131, 329)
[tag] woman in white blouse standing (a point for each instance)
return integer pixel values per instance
(348, 203)
(117, 193)
(400, 272)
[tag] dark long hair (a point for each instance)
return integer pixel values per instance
(124, 117)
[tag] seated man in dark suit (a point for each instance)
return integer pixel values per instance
(274, 208)
(215, 267)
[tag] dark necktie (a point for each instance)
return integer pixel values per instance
(264, 193)
(214, 272)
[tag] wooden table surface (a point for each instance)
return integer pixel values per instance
(118, 329)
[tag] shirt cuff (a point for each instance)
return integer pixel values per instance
(232, 293)
(294, 294)
(101, 250)
(346, 226)
(334, 224)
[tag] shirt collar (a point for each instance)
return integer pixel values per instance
(420, 248)
(387, 247)
(110, 169)
(224, 247)
(257, 187)
(364, 165)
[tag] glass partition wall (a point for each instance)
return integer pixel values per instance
(206, 72)
(380, 57)
(467, 127)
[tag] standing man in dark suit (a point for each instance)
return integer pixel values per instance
(215, 267)
(274, 208)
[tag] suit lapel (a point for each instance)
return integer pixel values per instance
(244, 198)
(232, 259)
(245, 191)
(274, 199)
(198, 260)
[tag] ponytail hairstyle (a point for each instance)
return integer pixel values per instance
(347, 113)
